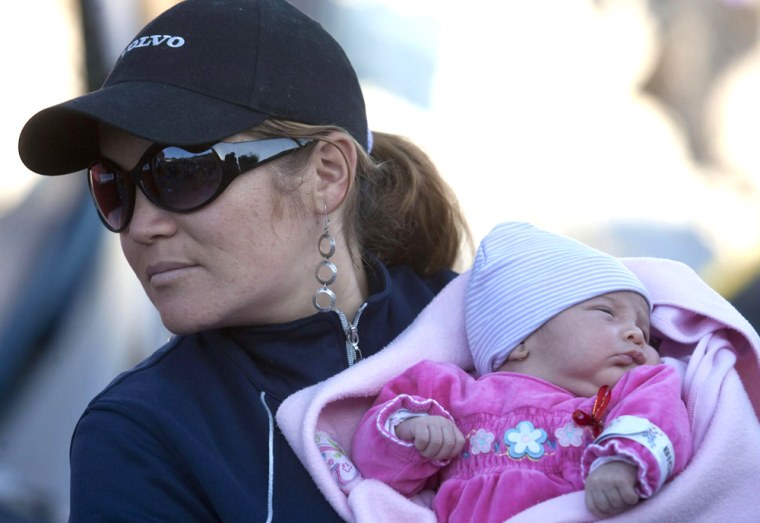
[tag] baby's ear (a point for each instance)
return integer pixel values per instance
(519, 353)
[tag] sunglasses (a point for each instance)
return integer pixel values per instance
(178, 179)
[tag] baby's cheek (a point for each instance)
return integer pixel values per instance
(652, 357)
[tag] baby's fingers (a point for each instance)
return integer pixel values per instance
(428, 440)
(439, 439)
(603, 502)
(451, 443)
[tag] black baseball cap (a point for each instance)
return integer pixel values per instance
(203, 71)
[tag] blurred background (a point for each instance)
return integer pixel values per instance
(629, 124)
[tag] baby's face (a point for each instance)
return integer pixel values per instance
(592, 343)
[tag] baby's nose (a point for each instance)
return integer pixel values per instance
(635, 335)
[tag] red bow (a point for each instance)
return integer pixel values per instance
(595, 419)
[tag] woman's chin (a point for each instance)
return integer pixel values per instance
(183, 324)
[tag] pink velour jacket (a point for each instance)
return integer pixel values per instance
(714, 347)
(522, 445)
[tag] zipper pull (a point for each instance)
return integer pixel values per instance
(351, 330)
(353, 339)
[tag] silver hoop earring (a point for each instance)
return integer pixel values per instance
(326, 273)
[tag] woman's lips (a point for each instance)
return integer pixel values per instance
(167, 272)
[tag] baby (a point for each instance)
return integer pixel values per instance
(569, 395)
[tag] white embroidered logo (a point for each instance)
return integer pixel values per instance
(155, 41)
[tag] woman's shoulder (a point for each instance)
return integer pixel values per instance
(145, 373)
(434, 282)
(150, 427)
(190, 382)
(172, 374)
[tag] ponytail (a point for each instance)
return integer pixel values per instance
(407, 213)
(401, 209)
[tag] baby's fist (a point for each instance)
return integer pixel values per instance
(611, 488)
(434, 437)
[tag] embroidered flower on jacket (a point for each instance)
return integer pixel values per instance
(570, 435)
(525, 439)
(481, 442)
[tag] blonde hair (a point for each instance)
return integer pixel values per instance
(400, 208)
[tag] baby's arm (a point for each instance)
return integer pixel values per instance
(378, 450)
(434, 437)
(647, 433)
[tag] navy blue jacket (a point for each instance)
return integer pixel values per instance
(189, 434)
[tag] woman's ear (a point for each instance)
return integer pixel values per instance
(334, 160)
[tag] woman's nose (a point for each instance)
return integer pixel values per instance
(149, 221)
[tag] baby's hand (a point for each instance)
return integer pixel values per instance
(435, 437)
(610, 488)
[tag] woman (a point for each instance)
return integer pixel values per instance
(229, 149)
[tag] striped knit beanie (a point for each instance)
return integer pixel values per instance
(522, 277)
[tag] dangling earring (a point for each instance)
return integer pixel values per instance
(326, 272)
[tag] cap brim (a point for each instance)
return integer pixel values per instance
(63, 139)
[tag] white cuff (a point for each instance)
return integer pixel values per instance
(648, 435)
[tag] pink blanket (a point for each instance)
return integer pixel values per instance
(715, 348)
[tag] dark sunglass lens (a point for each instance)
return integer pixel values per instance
(111, 193)
(181, 180)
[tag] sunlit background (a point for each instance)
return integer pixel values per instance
(629, 124)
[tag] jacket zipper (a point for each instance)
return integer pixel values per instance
(351, 330)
